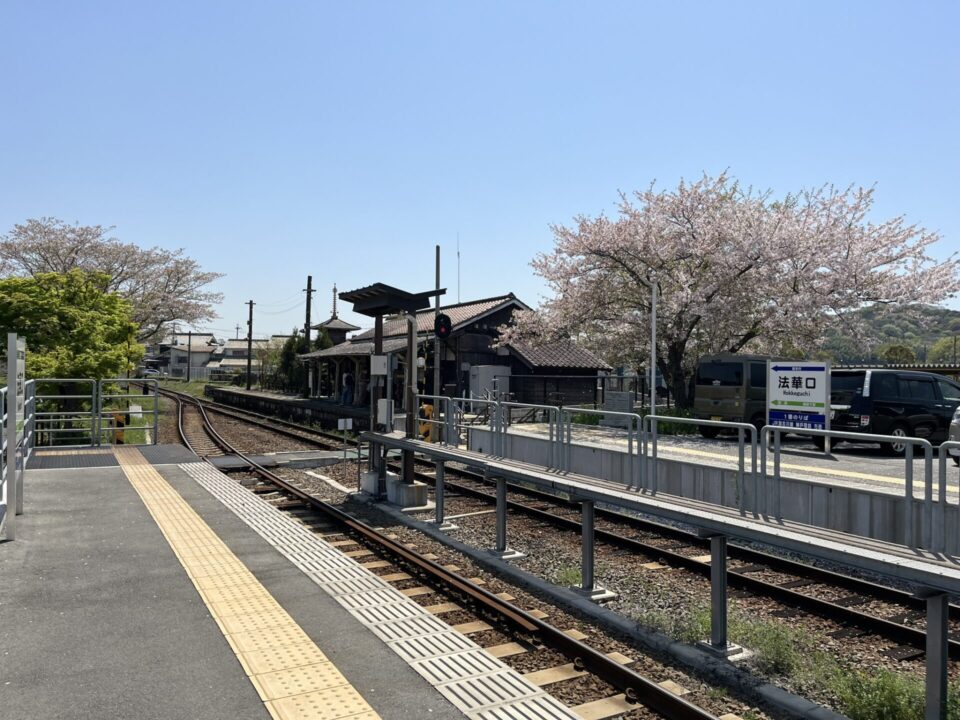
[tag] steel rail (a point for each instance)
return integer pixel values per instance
(887, 628)
(635, 687)
(825, 608)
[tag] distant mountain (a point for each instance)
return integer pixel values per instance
(916, 326)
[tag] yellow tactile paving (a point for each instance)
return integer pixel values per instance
(290, 673)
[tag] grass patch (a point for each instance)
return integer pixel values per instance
(567, 576)
(880, 695)
(794, 653)
(194, 387)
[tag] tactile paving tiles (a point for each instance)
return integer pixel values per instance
(478, 684)
(291, 674)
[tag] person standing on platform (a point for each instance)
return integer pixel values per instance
(348, 382)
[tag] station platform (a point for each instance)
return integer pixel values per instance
(849, 464)
(137, 588)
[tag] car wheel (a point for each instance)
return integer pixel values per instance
(709, 432)
(898, 448)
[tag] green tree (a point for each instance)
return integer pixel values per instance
(322, 341)
(943, 350)
(74, 327)
(898, 355)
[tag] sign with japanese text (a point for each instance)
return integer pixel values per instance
(16, 385)
(798, 394)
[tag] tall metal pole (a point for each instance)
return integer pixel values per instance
(436, 346)
(249, 341)
(306, 325)
(411, 383)
(308, 375)
(653, 348)
(189, 351)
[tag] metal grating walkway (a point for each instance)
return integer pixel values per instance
(475, 682)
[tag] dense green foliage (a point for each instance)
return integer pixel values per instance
(73, 326)
(926, 330)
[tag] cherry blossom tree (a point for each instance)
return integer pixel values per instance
(161, 285)
(737, 270)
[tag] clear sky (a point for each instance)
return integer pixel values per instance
(344, 140)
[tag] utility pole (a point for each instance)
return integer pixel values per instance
(306, 326)
(308, 374)
(189, 351)
(249, 341)
(436, 351)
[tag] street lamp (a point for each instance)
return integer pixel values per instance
(653, 343)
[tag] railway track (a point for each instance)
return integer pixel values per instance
(402, 563)
(796, 585)
(682, 549)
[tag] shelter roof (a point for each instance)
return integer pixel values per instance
(558, 354)
(381, 299)
(460, 314)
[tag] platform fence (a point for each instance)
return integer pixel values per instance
(758, 485)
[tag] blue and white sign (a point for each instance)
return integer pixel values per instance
(798, 394)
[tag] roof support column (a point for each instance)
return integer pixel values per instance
(410, 380)
(375, 380)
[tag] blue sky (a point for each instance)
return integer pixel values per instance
(345, 140)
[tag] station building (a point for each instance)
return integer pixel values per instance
(470, 363)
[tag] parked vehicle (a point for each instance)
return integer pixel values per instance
(732, 388)
(954, 435)
(893, 402)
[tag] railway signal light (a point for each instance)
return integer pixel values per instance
(442, 327)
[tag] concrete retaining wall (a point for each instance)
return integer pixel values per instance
(869, 512)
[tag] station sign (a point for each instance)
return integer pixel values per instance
(345, 424)
(798, 394)
(16, 386)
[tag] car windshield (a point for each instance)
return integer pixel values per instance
(720, 373)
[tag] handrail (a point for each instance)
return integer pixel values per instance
(567, 442)
(927, 541)
(654, 420)
(553, 422)
(943, 453)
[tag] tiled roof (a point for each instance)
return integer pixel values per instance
(184, 338)
(460, 314)
(356, 348)
(241, 344)
(559, 354)
(336, 323)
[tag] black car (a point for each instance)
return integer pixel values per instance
(893, 402)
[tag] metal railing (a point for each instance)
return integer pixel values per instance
(634, 430)
(115, 410)
(11, 486)
(908, 525)
(441, 418)
(944, 455)
(553, 423)
(497, 417)
(72, 427)
(653, 421)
